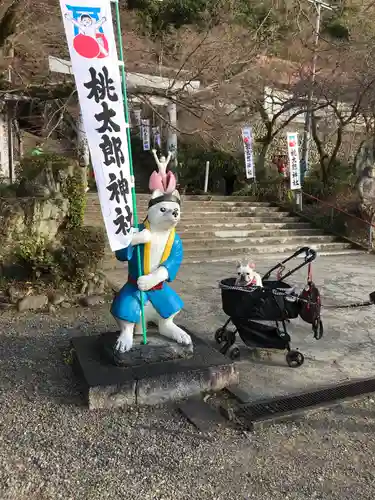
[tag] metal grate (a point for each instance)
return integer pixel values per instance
(282, 408)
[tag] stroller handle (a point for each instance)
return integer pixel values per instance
(310, 255)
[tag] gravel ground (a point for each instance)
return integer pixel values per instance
(52, 447)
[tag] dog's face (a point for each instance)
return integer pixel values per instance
(245, 273)
(164, 215)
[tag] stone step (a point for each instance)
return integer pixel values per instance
(144, 197)
(296, 240)
(303, 232)
(213, 245)
(236, 225)
(269, 253)
(276, 257)
(234, 221)
(211, 222)
(224, 234)
(194, 205)
(218, 214)
(227, 251)
(219, 229)
(210, 212)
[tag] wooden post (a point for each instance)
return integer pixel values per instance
(172, 135)
(207, 173)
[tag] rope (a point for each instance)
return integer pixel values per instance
(309, 273)
(338, 209)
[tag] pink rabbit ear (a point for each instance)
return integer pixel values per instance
(170, 183)
(251, 265)
(155, 182)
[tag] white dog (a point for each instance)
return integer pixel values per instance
(246, 276)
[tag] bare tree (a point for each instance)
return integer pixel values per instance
(349, 99)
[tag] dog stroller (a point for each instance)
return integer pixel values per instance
(248, 307)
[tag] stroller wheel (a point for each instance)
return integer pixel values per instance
(221, 335)
(295, 359)
(233, 353)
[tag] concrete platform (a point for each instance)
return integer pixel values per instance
(109, 386)
(158, 349)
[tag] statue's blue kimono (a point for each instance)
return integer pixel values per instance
(127, 305)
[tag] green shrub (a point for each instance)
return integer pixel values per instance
(8, 190)
(74, 191)
(30, 166)
(337, 29)
(192, 162)
(82, 251)
(272, 190)
(36, 258)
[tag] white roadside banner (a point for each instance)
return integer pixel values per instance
(247, 137)
(146, 139)
(156, 137)
(89, 32)
(137, 117)
(294, 164)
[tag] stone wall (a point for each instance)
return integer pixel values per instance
(23, 218)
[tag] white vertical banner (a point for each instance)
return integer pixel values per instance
(130, 114)
(145, 134)
(137, 113)
(247, 137)
(89, 32)
(156, 137)
(294, 163)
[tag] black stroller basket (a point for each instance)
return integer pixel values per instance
(272, 302)
(269, 303)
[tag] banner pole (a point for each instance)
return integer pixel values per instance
(126, 110)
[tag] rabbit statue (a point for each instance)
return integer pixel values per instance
(161, 257)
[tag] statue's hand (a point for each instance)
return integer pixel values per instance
(148, 281)
(141, 237)
(145, 283)
(153, 151)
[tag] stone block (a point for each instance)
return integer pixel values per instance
(32, 302)
(113, 396)
(201, 415)
(148, 383)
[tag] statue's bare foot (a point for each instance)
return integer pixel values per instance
(124, 342)
(168, 329)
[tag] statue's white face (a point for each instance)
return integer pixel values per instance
(164, 215)
(163, 159)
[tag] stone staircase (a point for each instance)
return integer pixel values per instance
(218, 228)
